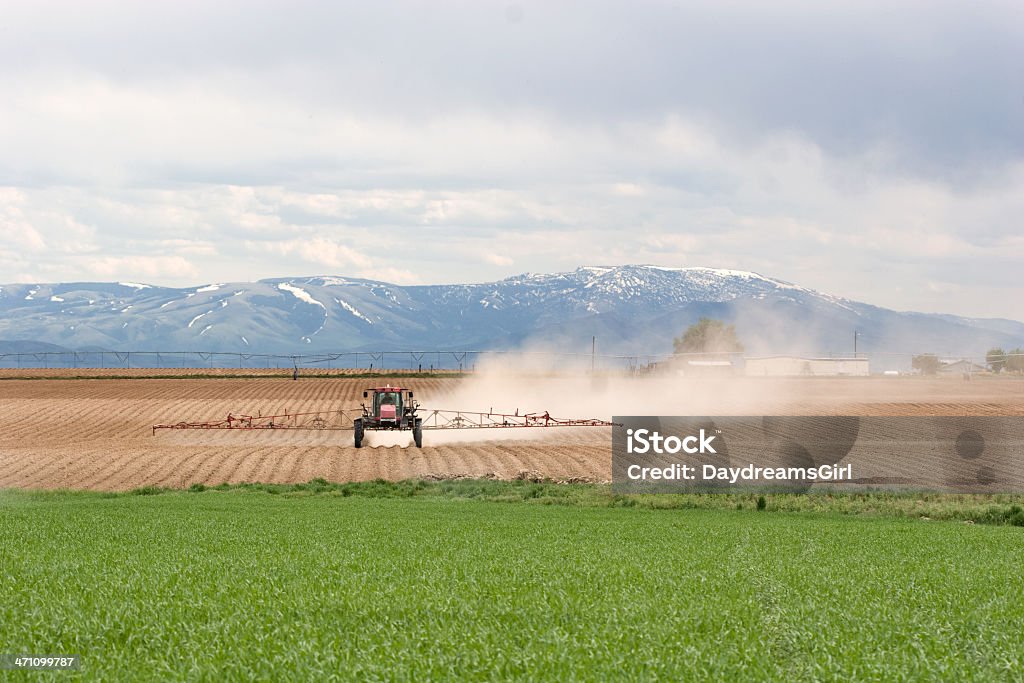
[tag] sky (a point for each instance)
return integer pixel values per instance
(873, 150)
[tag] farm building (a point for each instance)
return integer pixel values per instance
(704, 368)
(960, 367)
(787, 366)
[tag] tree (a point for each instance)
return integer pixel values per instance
(996, 359)
(926, 363)
(708, 336)
(1015, 360)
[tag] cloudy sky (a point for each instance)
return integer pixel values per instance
(871, 150)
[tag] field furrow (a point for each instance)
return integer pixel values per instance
(96, 433)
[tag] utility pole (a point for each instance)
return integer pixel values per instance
(855, 333)
(593, 352)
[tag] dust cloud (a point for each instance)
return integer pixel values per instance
(507, 386)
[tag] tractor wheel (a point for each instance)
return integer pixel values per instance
(357, 428)
(417, 434)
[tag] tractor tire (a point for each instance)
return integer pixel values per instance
(417, 434)
(357, 429)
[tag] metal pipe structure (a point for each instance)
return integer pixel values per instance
(340, 420)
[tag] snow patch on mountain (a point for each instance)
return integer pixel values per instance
(193, 321)
(326, 281)
(300, 294)
(351, 309)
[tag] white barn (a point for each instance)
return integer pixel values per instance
(959, 367)
(792, 366)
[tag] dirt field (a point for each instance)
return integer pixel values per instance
(95, 434)
(286, 373)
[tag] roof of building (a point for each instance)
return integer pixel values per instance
(803, 358)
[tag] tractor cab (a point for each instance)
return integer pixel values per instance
(387, 405)
(390, 408)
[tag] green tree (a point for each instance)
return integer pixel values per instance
(1015, 360)
(996, 359)
(708, 336)
(926, 363)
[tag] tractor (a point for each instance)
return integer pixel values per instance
(391, 408)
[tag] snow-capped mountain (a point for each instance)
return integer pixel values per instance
(632, 309)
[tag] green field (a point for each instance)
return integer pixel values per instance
(240, 584)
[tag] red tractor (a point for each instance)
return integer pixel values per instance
(393, 409)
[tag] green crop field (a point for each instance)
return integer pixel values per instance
(241, 584)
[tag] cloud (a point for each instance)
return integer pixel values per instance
(339, 257)
(183, 247)
(387, 274)
(496, 259)
(318, 250)
(17, 232)
(141, 267)
(856, 147)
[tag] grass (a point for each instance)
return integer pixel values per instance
(431, 581)
(974, 508)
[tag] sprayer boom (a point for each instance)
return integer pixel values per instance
(391, 409)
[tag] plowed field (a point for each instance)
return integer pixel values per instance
(96, 433)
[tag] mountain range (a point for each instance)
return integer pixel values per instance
(635, 309)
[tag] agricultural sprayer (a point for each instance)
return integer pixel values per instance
(387, 408)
